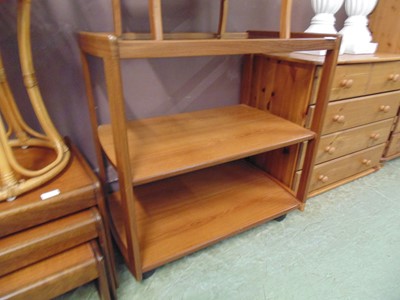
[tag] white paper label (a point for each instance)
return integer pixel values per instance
(50, 194)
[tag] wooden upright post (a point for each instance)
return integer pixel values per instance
(117, 19)
(285, 20)
(155, 16)
(223, 17)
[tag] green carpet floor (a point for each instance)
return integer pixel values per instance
(345, 245)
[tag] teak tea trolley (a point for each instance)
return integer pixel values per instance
(185, 180)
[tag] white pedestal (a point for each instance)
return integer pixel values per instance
(361, 48)
(324, 19)
(356, 35)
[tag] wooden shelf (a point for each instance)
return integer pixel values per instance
(68, 270)
(180, 215)
(170, 145)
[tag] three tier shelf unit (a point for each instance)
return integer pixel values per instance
(185, 180)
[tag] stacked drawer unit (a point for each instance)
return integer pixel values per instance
(360, 117)
(51, 246)
(364, 102)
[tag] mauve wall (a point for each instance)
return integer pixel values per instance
(152, 87)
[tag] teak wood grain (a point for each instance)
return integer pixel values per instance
(285, 19)
(223, 17)
(32, 229)
(180, 215)
(170, 145)
(147, 151)
(185, 35)
(100, 44)
(156, 26)
(119, 138)
(32, 245)
(68, 270)
(188, 48)
(117, 17)
(78, 187)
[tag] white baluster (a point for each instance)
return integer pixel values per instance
(356, 35)
(324, 19)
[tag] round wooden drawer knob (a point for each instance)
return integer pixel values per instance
(338, 118)
(384, 108)
(375, 136)
(347, 83)
(394, 77)
(330, 149)
(323, 178)
(366, 162)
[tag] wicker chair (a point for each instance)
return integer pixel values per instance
(28, 158)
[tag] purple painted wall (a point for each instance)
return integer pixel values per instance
(152, 87)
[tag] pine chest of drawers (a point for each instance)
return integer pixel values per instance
(360, 123)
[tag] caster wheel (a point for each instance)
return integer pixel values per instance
(280, 219)
(148, 274)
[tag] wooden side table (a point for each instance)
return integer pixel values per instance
(50, 246)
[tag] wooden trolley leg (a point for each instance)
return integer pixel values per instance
(118, 120)
(101, 165)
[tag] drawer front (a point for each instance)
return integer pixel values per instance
(384, 77)
(352, 140)
(346, 166)
(32, 245)
(394, 145)
(55, 275)
(346, 114)
(350, 81)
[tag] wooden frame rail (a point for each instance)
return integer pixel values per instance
(103, 45)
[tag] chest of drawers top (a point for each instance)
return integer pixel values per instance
(356, 75)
